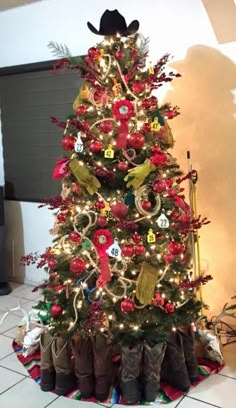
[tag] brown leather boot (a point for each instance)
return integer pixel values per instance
(62, 361)
(187, 335)
(102, 361)
(83, 363)
(173, 369)
(152, 361)
(47, 370)
(130, 373)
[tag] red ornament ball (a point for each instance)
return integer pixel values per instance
(136, 238)
(119, 55)
(77, 266)
(95, 146)
(168, 258)
(146, 127)
(61, 217)
(106, 126)
(122, 166)
(93, 53)
(99, 205)
(81, 110)
(149, 103)
(175, 215)
(127, 306)
(135, 53)
(159, 186)
(171, 193)
(169, 307)
(88, 60)
(145, 104)
(176, 248)
(158, 300)
(138, 86)
(139, 250)
(85, 126)
(128, 250)
(136, 140)
(101, 222)
(74, 236)
(170, 114)
(155, 149)
(56, 310)
(68, 143)
(52, 263)
(119, 210)
(146, 205)
(53, 276)
(160, 237)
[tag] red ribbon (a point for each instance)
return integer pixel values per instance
(102, 240)
(121, 141)
(123, 110)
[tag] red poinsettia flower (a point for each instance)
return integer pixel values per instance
(169, 307)
(61, 169)
(159, 159)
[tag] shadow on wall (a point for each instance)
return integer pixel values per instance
(207, 127)
(14, 237)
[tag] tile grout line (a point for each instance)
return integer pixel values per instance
(14, 371)
(5, 335)
(1, 393)
(50, 403)
(228, 376)
(180, 401)
(10, 328)
(7, 355)
(207, 403)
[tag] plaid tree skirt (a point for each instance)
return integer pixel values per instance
(166, 393)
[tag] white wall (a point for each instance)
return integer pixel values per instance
(182, 28)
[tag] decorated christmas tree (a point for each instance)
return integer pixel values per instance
(120, 271)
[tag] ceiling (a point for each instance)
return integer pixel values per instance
(8, 4)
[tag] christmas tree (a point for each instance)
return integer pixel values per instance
(121, 263)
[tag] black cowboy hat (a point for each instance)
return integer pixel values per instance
(112, 22)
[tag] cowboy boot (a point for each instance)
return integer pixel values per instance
(83, 363)
(173, 369)
(65, 379)
(189, 353)
(152, 361)
(47, 370)
(130, 372)
(102, 360)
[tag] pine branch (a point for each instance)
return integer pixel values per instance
(144, 47)
(59, 50)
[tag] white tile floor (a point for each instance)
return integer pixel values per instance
(18, 389)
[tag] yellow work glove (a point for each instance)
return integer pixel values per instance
(136, 176)
(85, 179)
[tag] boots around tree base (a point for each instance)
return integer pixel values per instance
(47, 374)
(103, 366)
(62, 361)
(130, 372)
(152, 361)
(187, 335)
(173, 369)
(83, 365)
